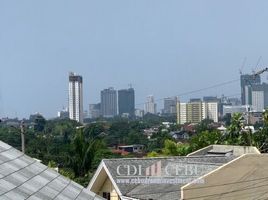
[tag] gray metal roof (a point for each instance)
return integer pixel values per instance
(22, 177)
(200, 164)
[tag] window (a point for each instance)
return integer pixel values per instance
(106, 195)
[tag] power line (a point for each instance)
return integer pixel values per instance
(197, 90)
(210, 186)
(231, 183)
(261, 196)
(223, 193)
(205, 196)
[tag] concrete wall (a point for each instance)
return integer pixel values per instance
(108, 187)
(104, 184)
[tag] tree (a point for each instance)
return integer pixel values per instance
(152, 154)
(170, 148)
(204, 139)
(260, 138)
(157, 141)
(39, 123)
(85, 150)
(204, 125)
(235, 129)
(136, 138)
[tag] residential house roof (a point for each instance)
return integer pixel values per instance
(244, 178)
(182, 169)
(22, 177)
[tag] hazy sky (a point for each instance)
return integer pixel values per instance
(161, 47)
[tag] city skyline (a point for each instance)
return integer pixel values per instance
(161, 48)
(159, 102)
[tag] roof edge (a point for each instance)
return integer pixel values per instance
(96, 175)
(112, 180)
(213, 171)
(199, 150)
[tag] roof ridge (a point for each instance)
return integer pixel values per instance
(171, 157)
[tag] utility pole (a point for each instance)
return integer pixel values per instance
(22, 132)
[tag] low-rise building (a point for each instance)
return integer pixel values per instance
(135, 148)
(236, 109)
(180, 135)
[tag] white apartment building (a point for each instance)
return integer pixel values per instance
(150, 106)
(258, 101)
(182, 113)
(196, 111)
(210, 111)
(76, 97)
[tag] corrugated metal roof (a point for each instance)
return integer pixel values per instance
(22, 177)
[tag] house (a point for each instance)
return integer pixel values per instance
(179, 135)
(22, 177)
(135, 148)
(150, 132)
(169, 178)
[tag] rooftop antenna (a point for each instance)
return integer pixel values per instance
(130, 85)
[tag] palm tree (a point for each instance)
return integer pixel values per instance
(84, 150)
(265, 117)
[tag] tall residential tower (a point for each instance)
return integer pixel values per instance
(246, 82)
(109, 102)
(126, 102)
(75, 97)
(150, 105)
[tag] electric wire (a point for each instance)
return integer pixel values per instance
(210, 186)
(196, 91)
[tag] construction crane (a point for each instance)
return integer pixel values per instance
(259, 72)
(242, 66)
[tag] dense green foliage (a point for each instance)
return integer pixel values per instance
(77, 150)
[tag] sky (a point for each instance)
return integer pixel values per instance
(161, 47)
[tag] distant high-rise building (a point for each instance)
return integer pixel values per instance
(63, 114)
(139, 113)
(126, 102)
(259, 95)
(181, 113)
(94, 110)
(170, 106)
(211, 99)
(246, 82)
(196, 110)
(234, 101)
(109, 102)
(210, 111)
(150, 105)
(76, 111)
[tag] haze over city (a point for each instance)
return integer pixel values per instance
(162, 48)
